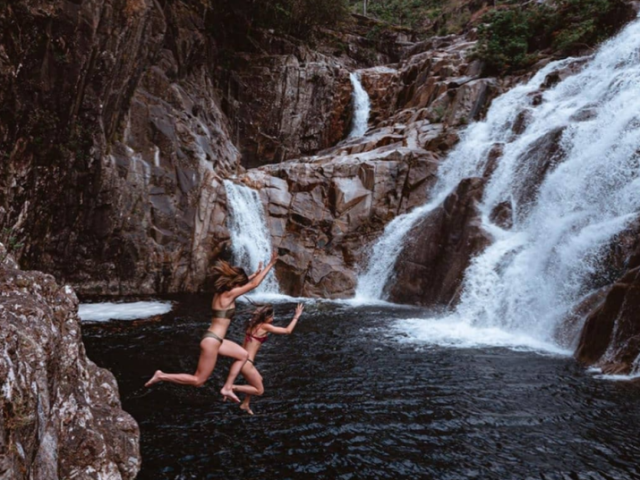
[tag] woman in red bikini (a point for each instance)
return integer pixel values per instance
(259, 327)
(229, 282)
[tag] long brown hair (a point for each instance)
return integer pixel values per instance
(226, 276)
(259, 316)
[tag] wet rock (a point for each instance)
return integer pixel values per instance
(382, 86)
(502, 215)
(492, 160)
(439, 248)
(569, 332)
(287, 104)
(61, 415)
(568, 70)
(610, 338)
(534, 165)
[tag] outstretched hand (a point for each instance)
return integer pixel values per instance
(299, 310)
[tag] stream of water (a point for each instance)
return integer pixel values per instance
(361, 107)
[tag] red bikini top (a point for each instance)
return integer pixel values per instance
(248, 337)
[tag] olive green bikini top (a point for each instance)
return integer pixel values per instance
(228, 313)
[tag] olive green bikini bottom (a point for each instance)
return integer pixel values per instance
(209, 334)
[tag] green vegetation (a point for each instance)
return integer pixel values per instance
(430, 17)
(406, 13)
(511, 37)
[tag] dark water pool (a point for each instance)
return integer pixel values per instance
(344, 401)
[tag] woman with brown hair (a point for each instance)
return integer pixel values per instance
(259, 327)
(229, 283)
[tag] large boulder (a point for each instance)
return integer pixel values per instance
(61, 414)
(439, 248)
(610, 335)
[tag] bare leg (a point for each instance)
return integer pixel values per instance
(253, 377)
(233, 350)
(209, 349)
(255, 387)
(245, 405)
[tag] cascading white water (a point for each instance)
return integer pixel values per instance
(250, 239)
(529, 278)
(361, 107)
(468, 159)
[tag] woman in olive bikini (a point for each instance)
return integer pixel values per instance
(229, 282)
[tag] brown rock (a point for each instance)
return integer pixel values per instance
(61, 415)
(502, 215)
(610, 337)
(340, 204)
(439, 248)
(534, 165)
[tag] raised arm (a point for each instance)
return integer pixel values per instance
(255, 279)
(254, 275)
(289, 329)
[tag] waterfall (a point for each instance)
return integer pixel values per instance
(250, 239)
(361, 107)
(527, 281)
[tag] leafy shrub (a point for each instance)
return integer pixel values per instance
(407, 13)
(512, 37)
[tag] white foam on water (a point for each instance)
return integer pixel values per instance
(461, 334)
(361, 107)
(102, 312)
(597, 373)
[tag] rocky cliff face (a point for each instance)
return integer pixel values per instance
(120, 118)
(324, 211)
(113, 141)
(61, 414)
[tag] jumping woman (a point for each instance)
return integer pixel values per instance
(259, 327)
(229, 282)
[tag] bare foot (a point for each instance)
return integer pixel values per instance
(246, 408)
(228, 393)
(154, 379)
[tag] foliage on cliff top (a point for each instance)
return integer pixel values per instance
(408, 13)
(511, 37)
(429, 17)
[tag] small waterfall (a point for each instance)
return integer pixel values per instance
(361, 107)
(532, 275)
(250, 239)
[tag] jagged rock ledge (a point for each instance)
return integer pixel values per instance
(61, 414)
